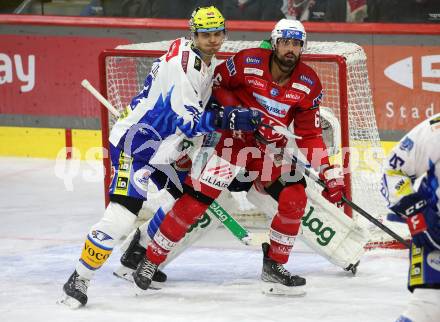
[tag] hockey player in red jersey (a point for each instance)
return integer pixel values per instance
(286, 91)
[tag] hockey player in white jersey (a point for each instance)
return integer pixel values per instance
(173, 106)
(416, 160)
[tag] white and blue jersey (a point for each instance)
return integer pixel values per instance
(416, 155)
(168, 111)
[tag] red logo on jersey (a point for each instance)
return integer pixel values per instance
(293, 96)
(223, 171)
(256, 82)
(174, 50)
(185, 57)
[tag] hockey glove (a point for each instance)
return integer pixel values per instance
(334, 183)
(238, 119)
(423, 221)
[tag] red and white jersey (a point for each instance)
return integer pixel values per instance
(247, 74)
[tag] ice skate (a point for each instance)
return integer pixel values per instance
(144, 273)
(131, 258)
(75, 291)
(279, 281)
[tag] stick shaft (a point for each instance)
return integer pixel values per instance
(86, 84)
(303, 165)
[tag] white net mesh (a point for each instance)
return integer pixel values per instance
(125, 74)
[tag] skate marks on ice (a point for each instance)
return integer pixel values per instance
(40, 246)
(205, 283)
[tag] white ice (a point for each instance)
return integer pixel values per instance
(43, 221)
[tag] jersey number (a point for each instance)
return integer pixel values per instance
(317, 119)
(396, 162)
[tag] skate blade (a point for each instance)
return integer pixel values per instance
(276, 289)
(69, 302)
(150, 290)
(124, 273)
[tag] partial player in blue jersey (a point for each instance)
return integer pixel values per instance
(411, 185)
(173, 108)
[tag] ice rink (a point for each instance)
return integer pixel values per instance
(44, 219)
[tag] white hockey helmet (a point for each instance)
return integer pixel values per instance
(287, 28)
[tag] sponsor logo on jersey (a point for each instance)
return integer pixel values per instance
(173, 51)
(218, 173)
(223, 171)
(185, 57)
(274, 108)
(274, 92)
(231, 66)
(433, 260)
(416, 252)
(317, 100)
(416, 274)
(406, 145)
(122, 184)
(306, 79)
(403, 187)
(316, 226)
(198, 64)
(252, 60)
(254, 71)
(301, 87)
(293, 96)
(141, 178)
(256, 82)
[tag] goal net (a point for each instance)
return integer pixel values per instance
(342, 69)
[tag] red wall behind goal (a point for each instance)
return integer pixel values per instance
(43, 60)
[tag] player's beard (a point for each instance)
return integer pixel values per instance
(286, 62)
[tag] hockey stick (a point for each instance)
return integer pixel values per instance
(298, 159)
(230, 223)
(215, 209)
(85, 83)
(281, 130)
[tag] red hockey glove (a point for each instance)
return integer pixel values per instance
(334, 182)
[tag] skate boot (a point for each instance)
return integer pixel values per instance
(144, 273)
(76, 291)
(131, 258)
(279, 280)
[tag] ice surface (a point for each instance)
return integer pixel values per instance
(42, 225)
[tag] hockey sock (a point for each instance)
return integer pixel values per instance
(286, 223)
(186, 211)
